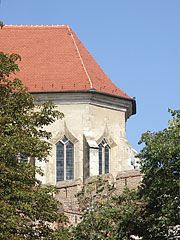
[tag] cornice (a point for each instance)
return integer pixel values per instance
(89, 97)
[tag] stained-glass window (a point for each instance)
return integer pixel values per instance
(60, 161)
(69, 161)
(100, 159)
(106, 158)
(104, 155)
(64, 139)
(64, 160)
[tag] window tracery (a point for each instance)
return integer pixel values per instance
(64, 159)
(104, 157)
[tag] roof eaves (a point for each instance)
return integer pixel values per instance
(96, 92)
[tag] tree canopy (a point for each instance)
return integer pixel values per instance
(160, 188)
(106, 215)
(27, 210)
(150, 212)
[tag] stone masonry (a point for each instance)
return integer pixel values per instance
(68, 189)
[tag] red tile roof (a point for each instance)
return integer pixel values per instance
(54, 59)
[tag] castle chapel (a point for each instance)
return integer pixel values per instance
(91, 138)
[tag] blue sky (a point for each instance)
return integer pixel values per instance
(136, 42)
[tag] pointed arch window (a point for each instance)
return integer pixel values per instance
(104, 157)
(64, 160)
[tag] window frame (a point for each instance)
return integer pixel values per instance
(103, 145)
(65, 141)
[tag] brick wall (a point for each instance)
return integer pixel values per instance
(130, 179)
(67, 191)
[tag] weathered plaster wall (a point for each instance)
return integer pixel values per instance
(93, 123)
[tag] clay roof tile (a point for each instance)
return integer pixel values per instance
(54, 59)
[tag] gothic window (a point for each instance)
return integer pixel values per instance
(104, 155)
(64, 160)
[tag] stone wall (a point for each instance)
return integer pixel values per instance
(130, 179)
(67, 191)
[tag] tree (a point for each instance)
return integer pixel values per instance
(106, 215)
(27, 210)
(160, 188)
(151, 212)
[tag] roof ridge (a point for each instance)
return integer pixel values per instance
(80, 57)
(34, 25)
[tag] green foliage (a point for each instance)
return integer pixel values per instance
(27, 210)
(160, 188)
(21, 127)
(105, 214)
(151, 212)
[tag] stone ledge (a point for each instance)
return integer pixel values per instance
(69, 183)
(128, 173)
(107, 177)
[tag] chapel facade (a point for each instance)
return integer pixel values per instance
(91, 138)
